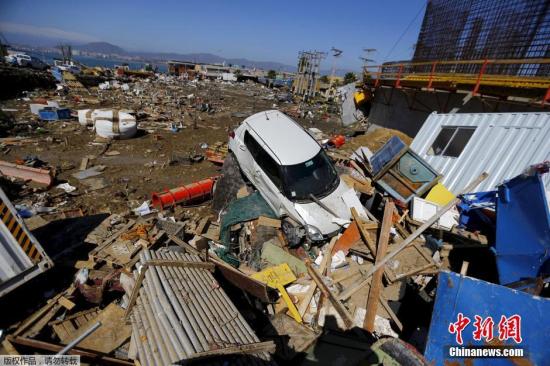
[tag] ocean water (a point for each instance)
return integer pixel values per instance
(103, 62)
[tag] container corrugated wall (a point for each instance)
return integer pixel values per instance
(21, 256)
(503, 145)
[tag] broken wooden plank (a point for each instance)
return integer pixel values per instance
(33, 324)
(376, 283)
(350, 291)
(464, 268)
(112, 333)
(304, 304)
(250, 348)
(268, 221)
(338, 306)
(364, 233)
(66, 303)
(65, 328)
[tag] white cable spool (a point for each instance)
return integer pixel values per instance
(85, 117)
(114, 124)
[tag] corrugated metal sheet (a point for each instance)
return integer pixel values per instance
(503, 145)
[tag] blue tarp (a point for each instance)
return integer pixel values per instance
(523, 229)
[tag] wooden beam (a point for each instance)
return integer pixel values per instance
(251, 348)
(376, 283)
(350, 291)
(464, 268)
(302, 308)
(364, 233)
(340, 308)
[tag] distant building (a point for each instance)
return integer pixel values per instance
(484, 29)
(183, 68)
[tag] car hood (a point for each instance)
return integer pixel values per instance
(340, 202)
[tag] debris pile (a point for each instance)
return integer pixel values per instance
(172, 243)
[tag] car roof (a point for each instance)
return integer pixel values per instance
(286, 141)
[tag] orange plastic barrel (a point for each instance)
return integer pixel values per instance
(194, 192)
(338, 140)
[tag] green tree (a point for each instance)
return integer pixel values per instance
(271, 74)
(324, 79)
(237, 72)
(349, 78)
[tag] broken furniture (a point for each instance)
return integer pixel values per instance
(401, 172)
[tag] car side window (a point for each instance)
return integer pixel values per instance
(263, 159)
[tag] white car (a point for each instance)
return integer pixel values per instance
(22, 59)
(293, 174)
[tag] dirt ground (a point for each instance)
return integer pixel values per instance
(155, 159)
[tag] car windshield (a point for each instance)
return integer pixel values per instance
(316, 176)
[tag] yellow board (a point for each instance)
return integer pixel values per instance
(277, 277)
(440, 195)
(274, 276)
(359, 97)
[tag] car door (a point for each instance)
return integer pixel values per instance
(265, 172)
(245, 159)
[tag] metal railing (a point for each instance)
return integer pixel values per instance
(511, 73)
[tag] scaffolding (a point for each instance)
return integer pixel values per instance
(486, 29)
(307, 77)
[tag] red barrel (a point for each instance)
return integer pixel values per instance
(194, 192)
(338, 141)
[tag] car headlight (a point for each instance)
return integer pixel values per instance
(313, 233)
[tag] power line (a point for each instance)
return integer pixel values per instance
(404, 32)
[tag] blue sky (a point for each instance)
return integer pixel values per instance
(257, 30)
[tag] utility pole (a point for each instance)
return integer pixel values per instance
(336, 53)
(366, 58)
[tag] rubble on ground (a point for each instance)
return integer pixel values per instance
(120, 197)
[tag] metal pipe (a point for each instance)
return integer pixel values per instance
(222, 296)
(223, 301)
(79, 339)
(196, 307)
(182, 310)
(157, 344)
(156, 319)
(149, 345)
(144, 353)
(223, 321)
(231, 320)
(166, 329)
(168, 319)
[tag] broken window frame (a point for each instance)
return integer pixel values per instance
(452, 139)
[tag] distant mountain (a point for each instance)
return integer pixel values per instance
(101, 47)
(110, 49)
